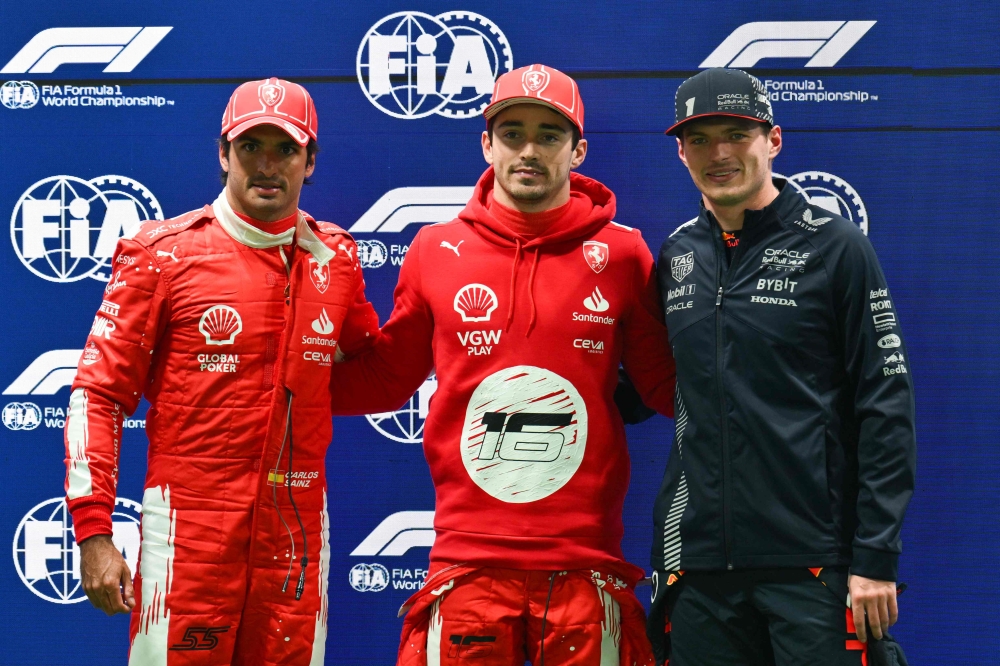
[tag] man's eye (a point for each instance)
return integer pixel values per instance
(510, 135)
(550, 138)
(249, 147)
(737, 136)
(288, 150)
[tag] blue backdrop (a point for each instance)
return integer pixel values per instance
(890, 112)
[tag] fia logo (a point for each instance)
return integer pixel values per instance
(47, 557)
(65, 229)
(402, 57)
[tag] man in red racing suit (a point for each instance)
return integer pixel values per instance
(227, 319)
(525, 305)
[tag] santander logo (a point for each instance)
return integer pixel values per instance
(475, 302)
(596, 302)
(322, 324)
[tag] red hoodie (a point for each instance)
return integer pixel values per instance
(525, 445)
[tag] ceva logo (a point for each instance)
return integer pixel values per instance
(403, 55)
(121, 48)
(823, 42)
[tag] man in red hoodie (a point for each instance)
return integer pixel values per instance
(525, 305)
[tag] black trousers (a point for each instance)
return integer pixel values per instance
(773, 617)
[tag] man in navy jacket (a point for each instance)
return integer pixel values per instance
(794, 456)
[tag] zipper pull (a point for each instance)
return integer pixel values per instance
(718, 299)
(288, 287)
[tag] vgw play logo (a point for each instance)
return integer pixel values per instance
(413, 65)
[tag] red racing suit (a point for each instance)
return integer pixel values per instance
(526, 448)
(230, 334)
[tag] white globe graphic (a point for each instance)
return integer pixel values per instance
(369, 577)
(831, 193)
(46, 555)
(55, 253)
(421, 48)
(65, 229)
(406, 425)
(420, 30)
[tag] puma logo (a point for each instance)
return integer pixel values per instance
(161, 253)
(453, 248)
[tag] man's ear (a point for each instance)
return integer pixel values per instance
(680, 150)
(310, 165)
(487, 148)
(774, 142)
(579, 154)
(223, 158)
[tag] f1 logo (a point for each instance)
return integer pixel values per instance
(506, 438)
(824, 42)
(121, 48)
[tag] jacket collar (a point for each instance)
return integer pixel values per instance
(786, 205)
(251, 236)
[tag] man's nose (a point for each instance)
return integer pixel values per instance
(719, 150)
(267, 162)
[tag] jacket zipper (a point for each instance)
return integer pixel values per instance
(723, 279)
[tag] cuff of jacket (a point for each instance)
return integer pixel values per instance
(875, 564)
(92, 518)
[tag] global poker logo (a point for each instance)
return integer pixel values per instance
(65, 228)
(402, 57)
(47, 557)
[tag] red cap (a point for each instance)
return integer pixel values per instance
(538, 84)
(284, 104)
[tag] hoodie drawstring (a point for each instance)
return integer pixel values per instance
(531, 287)
(513, 284)
(531, 293)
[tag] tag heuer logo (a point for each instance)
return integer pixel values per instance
(681, 267)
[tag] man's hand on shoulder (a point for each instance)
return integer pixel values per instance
(877, 598)
(105, 576)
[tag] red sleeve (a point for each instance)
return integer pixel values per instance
(647, 356)
(110, 378)
(384, 377)
(360, 329)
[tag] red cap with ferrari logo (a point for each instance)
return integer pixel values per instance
(277, 102)
(538, 84)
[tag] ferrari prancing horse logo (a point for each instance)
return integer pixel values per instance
(596, 254)
(271, 94)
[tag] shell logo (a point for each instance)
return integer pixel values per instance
(475, 302)
(220, 325)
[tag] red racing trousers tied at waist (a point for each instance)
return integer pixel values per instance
(633, 645)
